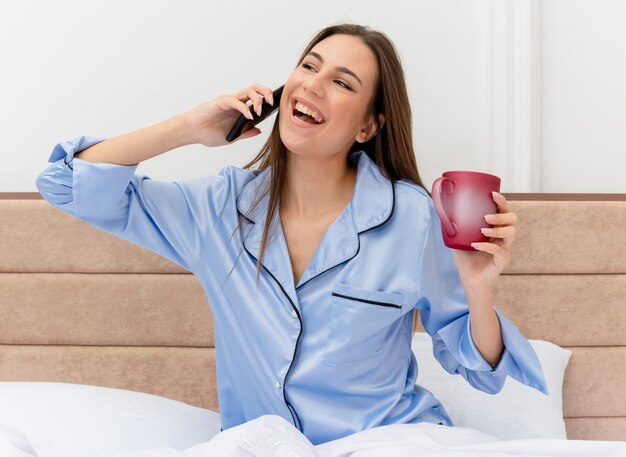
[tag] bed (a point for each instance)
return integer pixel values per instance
(81, 307)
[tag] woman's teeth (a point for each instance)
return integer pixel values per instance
(303, 109)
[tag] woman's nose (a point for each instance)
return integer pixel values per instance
(314, 85)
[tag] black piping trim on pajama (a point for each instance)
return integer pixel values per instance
(372, 302)
(294, 415)
(292, 411)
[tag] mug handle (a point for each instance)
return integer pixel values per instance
(450, 227)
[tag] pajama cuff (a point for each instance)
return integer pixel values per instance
(518, 360)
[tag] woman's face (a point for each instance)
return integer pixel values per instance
(336, 80)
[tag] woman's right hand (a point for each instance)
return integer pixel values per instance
(210, 122)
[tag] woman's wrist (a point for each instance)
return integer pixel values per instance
(477, 290)
(184, 135)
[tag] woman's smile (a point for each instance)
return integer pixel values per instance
(302, 120)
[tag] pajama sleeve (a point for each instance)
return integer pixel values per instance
(444, 313)
(168, 218)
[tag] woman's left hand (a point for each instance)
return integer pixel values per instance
(479, 270)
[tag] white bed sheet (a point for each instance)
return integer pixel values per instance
(272, 435)
(13, 443)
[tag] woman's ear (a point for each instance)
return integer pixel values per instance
(381, 122)
(370, 129)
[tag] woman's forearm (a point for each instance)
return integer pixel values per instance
(139, 145)
(485, 327)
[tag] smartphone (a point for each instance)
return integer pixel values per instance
(266, 110)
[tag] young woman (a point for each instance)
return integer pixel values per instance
(315, 261)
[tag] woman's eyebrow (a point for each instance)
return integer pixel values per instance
(340, 69)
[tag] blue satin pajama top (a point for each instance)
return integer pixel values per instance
(331, 354)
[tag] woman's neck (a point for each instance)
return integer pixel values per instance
(317, 187)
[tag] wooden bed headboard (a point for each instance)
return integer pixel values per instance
(81, 306)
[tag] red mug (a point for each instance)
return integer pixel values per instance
(462, 200)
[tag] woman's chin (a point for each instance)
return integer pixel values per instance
(296, 145)
(299, 151)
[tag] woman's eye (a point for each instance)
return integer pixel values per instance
(344, 84)
(341, 83)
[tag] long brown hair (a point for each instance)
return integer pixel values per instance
(391, 149)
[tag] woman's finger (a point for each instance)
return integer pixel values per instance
(501, 254)
(504, 242)
(503, 205)
(267, 93)
(239, 106)
(507, 232)
(255, 92)
(245, 109)
(501, 219)
(499, 242)
(243, 93)
(255, 100)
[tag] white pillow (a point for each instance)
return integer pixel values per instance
(516, 412)
(77, 420)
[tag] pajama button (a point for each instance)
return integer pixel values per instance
(277, 385)
(294, 314)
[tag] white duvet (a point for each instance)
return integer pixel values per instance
(272, 435)
(13, 443)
